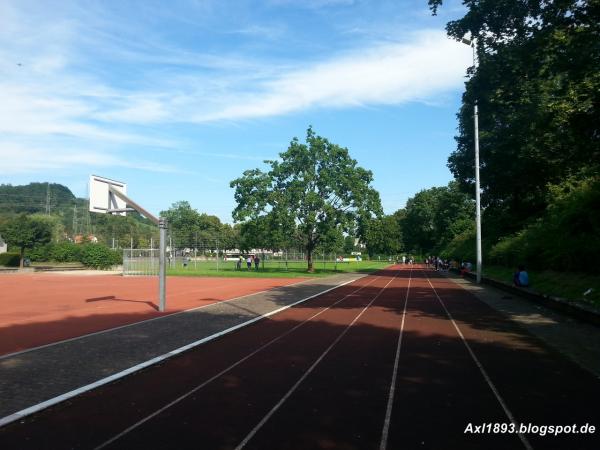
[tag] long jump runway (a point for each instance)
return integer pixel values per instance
(402, 359)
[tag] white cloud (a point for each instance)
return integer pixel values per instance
(84, 92)
(419, 70)
(22, 158)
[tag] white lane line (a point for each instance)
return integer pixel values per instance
(388, 412)
(53, 401)
(9, 355)
(483, 372)
(308, 372)
(237, 363)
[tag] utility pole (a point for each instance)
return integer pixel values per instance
(74, 222)
(47, 198)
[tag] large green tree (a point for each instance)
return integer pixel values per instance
(384, 236)
(434, 216)
(25, 232)
(538, 90)
(189, 228)
(312, 189)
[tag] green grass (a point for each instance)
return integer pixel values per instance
(275, 269)
(567, 285)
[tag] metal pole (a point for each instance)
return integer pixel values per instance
(217, 255)
(477, 196)
(162, 272)
(472, 42)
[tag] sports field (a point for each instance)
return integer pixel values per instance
(402, 358)
(273, 269)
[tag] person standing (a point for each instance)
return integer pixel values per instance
(249, 262)
(521, 277)
(256, 262)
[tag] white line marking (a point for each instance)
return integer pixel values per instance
(53, 401)
(310, 369)
(8, 355)
(483, 372)
(224, 371)
(388, 413)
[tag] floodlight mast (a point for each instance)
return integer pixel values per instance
(162, 227)
(472, 42)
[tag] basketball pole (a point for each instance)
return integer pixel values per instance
(162, 227)
(162, 278)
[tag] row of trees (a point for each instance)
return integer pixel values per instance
(34, 234)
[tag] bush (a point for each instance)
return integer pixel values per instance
(40, 252)
(10, 259)
(99, 256)
(564, 239)
(66, 252)
(461, 247)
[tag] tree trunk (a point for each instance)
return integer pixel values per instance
(22, 261)
(311, 269)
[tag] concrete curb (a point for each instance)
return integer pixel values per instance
(573, 308)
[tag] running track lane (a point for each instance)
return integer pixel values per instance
(342, 403)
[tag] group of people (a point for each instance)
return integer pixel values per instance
(406, 260)
(437, 263)
(249, 260)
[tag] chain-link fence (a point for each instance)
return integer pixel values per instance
(144, 262)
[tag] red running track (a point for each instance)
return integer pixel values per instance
(38, 309)
(400, 359)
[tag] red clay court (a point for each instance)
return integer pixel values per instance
(39, 309)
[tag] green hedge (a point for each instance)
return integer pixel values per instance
(10, 259)
(59, 252)
(99, 256)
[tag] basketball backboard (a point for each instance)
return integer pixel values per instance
(104, 201)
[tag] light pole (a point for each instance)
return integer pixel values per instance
(473, 44)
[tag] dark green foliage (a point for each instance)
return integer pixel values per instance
(10, 259)
(434, 216)
(538, 90)
(537, 86)
(384, 236)
(99, 256)
(564, 238)
(56, 252)
(461, 247)
(25, 232)
(349, 245)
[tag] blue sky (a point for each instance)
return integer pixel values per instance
(178, 98)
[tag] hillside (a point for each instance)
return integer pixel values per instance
(36, 198)
(71, 214)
